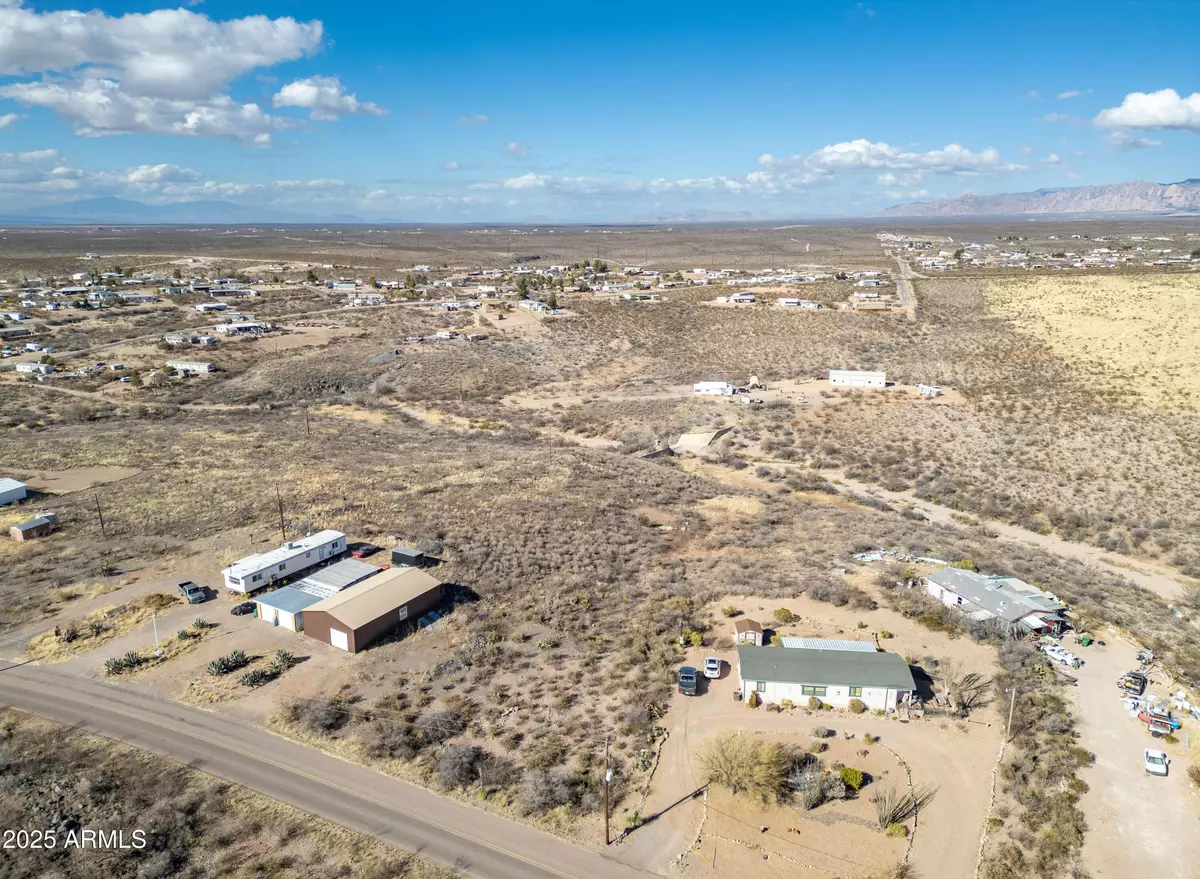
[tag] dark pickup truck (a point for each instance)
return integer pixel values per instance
(687, 681)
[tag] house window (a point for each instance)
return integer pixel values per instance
(856, 691)
(255, 578)
(308, 555)
(284, 565)
(404, 612)
(760, 686)
(958, 599)
(812, 691)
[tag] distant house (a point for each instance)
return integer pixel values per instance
(1018, 607)
(243, 328)
(191, 366)
(11, 491)
(367, 612)
(712, 389)
(929, 390)
(35, 368)
(210, 306)
(38, 526)
(183, 338)
(748, 632)
(880, 680)
(852, 378)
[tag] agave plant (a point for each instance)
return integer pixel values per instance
(255, 678)
(132, 659)
(96, 627)
(283, 660)
(114, 666)
(185, 635)
(239, 659)
(219, 667)
(199, 624)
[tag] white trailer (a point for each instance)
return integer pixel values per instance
(713, 389)
(853, 378)
(255, 572)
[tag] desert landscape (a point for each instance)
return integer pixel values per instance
(610, 480)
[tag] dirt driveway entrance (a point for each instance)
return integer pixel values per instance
(1138, 825)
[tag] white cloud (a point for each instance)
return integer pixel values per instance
(8, 119)
(1074, 93)
(1052, 159)
(1123, 140)
(1027, 150)
(516, 149)
(910, 178)
(168, 53)
(451, 166)
(864, 154)
(161, 72)
(1031, 95)
(1161, 109)
(324, 98)
(474, 119)
(1058, 117)
(101, 107)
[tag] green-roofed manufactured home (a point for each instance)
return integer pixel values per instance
(880, 680)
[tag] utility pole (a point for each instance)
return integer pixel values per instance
(607, 780)
(100, 513)
(1012, 703)
(307, 426)
(279, 497)
(157, 649)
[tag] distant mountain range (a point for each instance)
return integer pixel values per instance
(1134, 196)
(118, 211)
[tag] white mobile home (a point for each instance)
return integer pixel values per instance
(191, 366)
(853, 378)
(294, 557)
(713, 389)
(880, 680)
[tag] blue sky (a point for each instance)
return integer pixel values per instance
(615, 111)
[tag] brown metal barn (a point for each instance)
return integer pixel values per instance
(357, 617)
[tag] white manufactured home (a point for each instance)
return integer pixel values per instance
(853, 378)
(294, 557)
(11, 490)
(713, 389)
(880, 680)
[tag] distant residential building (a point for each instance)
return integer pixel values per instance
(245, 328)
(210, 306)
(929, 390)
(713, 389)
(853, 378)
(880, 681)
(191, 366)
(363, 614)
(35, 368)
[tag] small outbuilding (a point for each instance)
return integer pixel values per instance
(38, 526)
(11, 491)
(748, 632)
(407, 557)
(357, 617)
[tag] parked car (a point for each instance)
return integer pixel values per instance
(712, 667)
(363, 550)
(192, 593)
(687, 681)
(1156, 762)
(242, 609)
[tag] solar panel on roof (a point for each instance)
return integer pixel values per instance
(828, 644)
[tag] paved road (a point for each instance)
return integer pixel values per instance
(469, 840)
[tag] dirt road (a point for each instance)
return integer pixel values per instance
(904, 288)
(1138, 824)
(471, 841)
(1162, 581)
